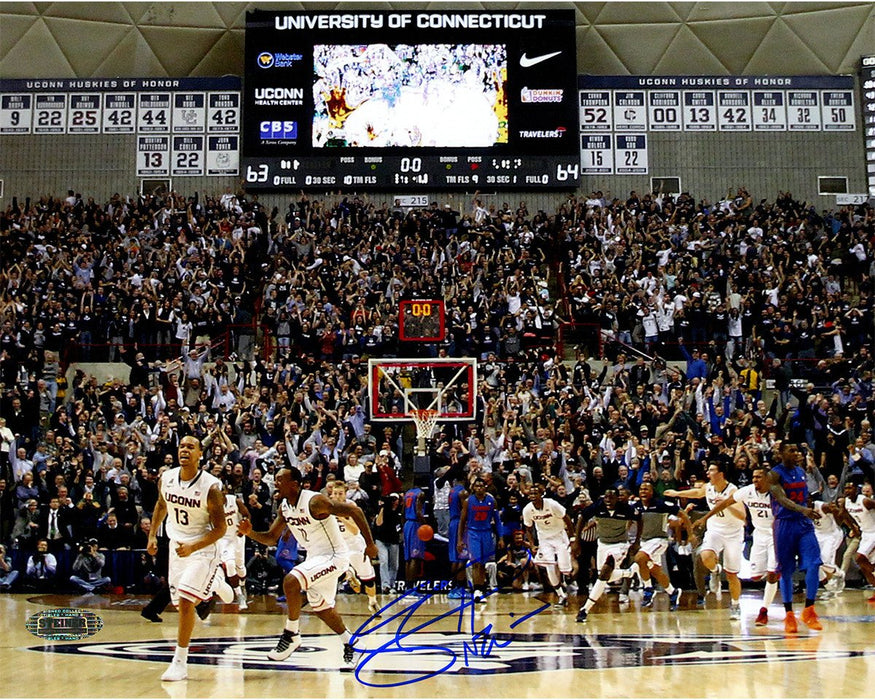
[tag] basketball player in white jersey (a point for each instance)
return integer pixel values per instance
(360, 564)
(829, 538)
(233, 546)
(555, 543)
(724, 534)
(308, 515)
(861, 507)
(763, 562)
(191, 500)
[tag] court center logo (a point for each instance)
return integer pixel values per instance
(422, 656)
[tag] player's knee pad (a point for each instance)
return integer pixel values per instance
(651, 565)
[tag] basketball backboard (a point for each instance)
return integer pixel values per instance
(398, 386)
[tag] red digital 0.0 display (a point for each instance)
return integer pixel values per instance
(421, 320)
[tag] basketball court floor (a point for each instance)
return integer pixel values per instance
(515, 645)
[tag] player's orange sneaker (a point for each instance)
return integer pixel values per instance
(809, 617)
(871, 598)
(790, 626)
(763, 618)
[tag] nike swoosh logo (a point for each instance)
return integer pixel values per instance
(527, 62)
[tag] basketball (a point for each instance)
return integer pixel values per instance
(425, 532)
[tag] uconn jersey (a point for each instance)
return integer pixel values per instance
(724, 522)
(355, 540)
(549, 520)
(318, 537)
(759, 505)
(232, 518)
(188, 516)
(865, 518)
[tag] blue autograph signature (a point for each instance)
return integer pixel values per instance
(481, 644)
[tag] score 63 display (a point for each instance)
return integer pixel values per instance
(425, 100)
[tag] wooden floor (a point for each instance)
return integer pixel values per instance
(435, 647)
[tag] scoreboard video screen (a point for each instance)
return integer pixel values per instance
(420, 99)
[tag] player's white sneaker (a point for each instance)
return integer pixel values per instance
(223, 590)
(176, 671)
(374, 609)
(241, 600)
(715, 580)
(351, 656)
(562, 598)
(287, 644)
(734, 611)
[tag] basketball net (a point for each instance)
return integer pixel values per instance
(425, 420)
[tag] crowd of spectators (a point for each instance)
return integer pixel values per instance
(301, 298)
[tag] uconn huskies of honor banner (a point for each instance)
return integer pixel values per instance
(138, 106)
(725, 103)
(638, 105)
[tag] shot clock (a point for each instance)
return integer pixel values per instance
(421, 320)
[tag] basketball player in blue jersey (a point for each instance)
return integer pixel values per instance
(794, 534)
(478, 522)
(414, 548)
(458, 495)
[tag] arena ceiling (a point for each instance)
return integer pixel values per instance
(128, 39)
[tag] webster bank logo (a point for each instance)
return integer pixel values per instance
(528, 96)
(267, 59)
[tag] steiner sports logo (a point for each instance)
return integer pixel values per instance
(453, 652)
(528, 96)
(64, 624)
(266, 59)
(556, 133)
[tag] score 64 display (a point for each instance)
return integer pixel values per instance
(424, 100)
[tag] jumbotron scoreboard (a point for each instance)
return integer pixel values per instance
(426, 100)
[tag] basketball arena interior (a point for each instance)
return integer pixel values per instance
(516, 349)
